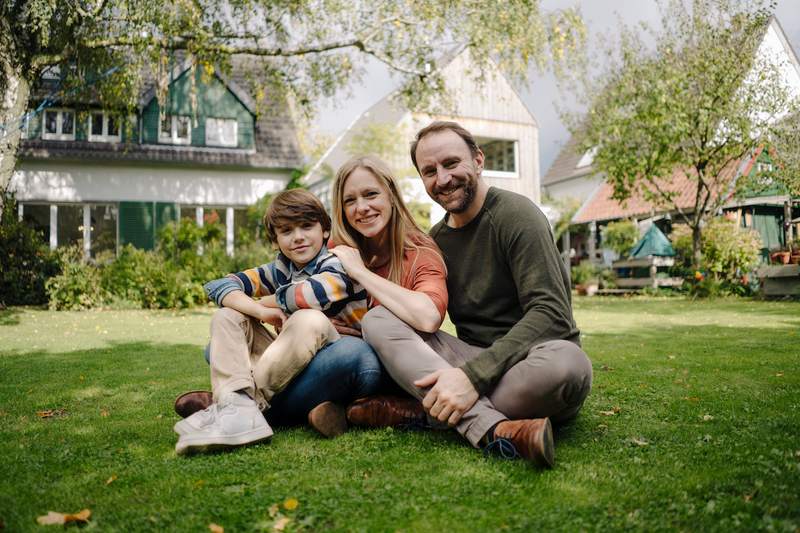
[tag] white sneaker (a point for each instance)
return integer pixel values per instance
(233, 421)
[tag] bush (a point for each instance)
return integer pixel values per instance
(584, 273)
(78, 285)
(620, 236)
(27, 261)
(729, 254)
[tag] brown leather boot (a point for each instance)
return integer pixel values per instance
(329, 419)
(531, 439)
(190, 402)
(387, 411)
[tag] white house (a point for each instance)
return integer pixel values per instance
(503, 126)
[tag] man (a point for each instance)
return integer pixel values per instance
(517, 362)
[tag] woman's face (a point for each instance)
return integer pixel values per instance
(367, 204)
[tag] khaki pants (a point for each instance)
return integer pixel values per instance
(246, 356)
(553, 381)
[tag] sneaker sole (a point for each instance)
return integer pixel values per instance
(187, 445)
(328, 419)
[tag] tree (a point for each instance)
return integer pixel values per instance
(786, 154)
(307, 48)
(697, 102)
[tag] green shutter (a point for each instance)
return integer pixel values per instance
(136, 224)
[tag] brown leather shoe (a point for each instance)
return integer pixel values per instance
(531, 439)
(387, 411)
(329, 419)
(190, 402)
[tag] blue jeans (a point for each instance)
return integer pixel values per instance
(340, 372)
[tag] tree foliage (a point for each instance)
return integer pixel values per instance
(620, 236)
(697, 101)
(307, 49)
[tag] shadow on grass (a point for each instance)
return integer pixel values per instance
(10, 316)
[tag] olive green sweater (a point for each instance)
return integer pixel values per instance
(509, 289)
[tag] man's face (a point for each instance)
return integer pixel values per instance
(448, 170)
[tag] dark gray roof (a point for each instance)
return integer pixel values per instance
(275, 143)
(565, 165)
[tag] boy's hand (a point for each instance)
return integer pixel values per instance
(272, 316)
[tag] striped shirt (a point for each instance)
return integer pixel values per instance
(322, 284)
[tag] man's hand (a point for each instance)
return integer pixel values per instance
(451, 394)
(343, 329)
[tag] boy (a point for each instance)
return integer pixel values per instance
(249, 365)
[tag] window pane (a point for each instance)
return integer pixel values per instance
(38, 217)
(214, 222)
(70, 224)
(166, 126)
(183, 127)
(189, 212)
(499, 155)
(97, 123)
(212, 131)
(228, 132)
(113, 125)
(242, 233)
(104, 228)
(67, 119)
(50, 121)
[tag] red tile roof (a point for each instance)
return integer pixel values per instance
(601, 206)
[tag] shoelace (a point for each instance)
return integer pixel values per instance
(502, 448)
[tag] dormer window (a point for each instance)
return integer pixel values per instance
(587, 158)
(104, 127)
(221, 132)
(58, 125)
(175, 129)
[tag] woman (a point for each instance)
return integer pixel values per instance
(383, 249)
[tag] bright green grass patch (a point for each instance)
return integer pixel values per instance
(705, 437)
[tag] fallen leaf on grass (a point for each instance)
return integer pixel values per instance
(111, 480)
(104, 413)
(639, 442)
(54, 518)
(614, 411)
(281, 524)
(216, 528)
(606, 368)
(707, 418)
(691, 398)
(273, 510)
(51, 413)
(779, 375)
(291, 504)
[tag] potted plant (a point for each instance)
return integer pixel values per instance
(585, 278)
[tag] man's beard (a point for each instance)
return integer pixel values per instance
(469, 186)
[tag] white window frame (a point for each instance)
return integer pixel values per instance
(58, 136)
(173, 136)
(501, 173)
(230, 144)
(104, 137)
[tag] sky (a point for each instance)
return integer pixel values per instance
(541, 95)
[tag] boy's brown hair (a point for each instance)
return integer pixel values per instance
(293, 207)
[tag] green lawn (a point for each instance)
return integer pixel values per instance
(693, 424)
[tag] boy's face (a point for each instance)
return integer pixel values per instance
(301, 242)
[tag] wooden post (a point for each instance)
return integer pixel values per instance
(787, 224)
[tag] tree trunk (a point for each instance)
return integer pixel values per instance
(13, 106)
(697, 241)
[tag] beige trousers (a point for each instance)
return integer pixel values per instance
(553, 381)
(246, 356)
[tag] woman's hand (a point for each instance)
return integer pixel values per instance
(272, 316)
(351, 260)
(343, 329)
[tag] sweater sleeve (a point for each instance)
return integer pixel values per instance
(254, 282)
(326, 290)
(524, 236)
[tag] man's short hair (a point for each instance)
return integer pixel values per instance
(293, 207)
(442, 125)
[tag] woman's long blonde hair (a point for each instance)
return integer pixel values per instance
(403, 233)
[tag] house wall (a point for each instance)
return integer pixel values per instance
(580, 188)
(213, 100)
(79, 182)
